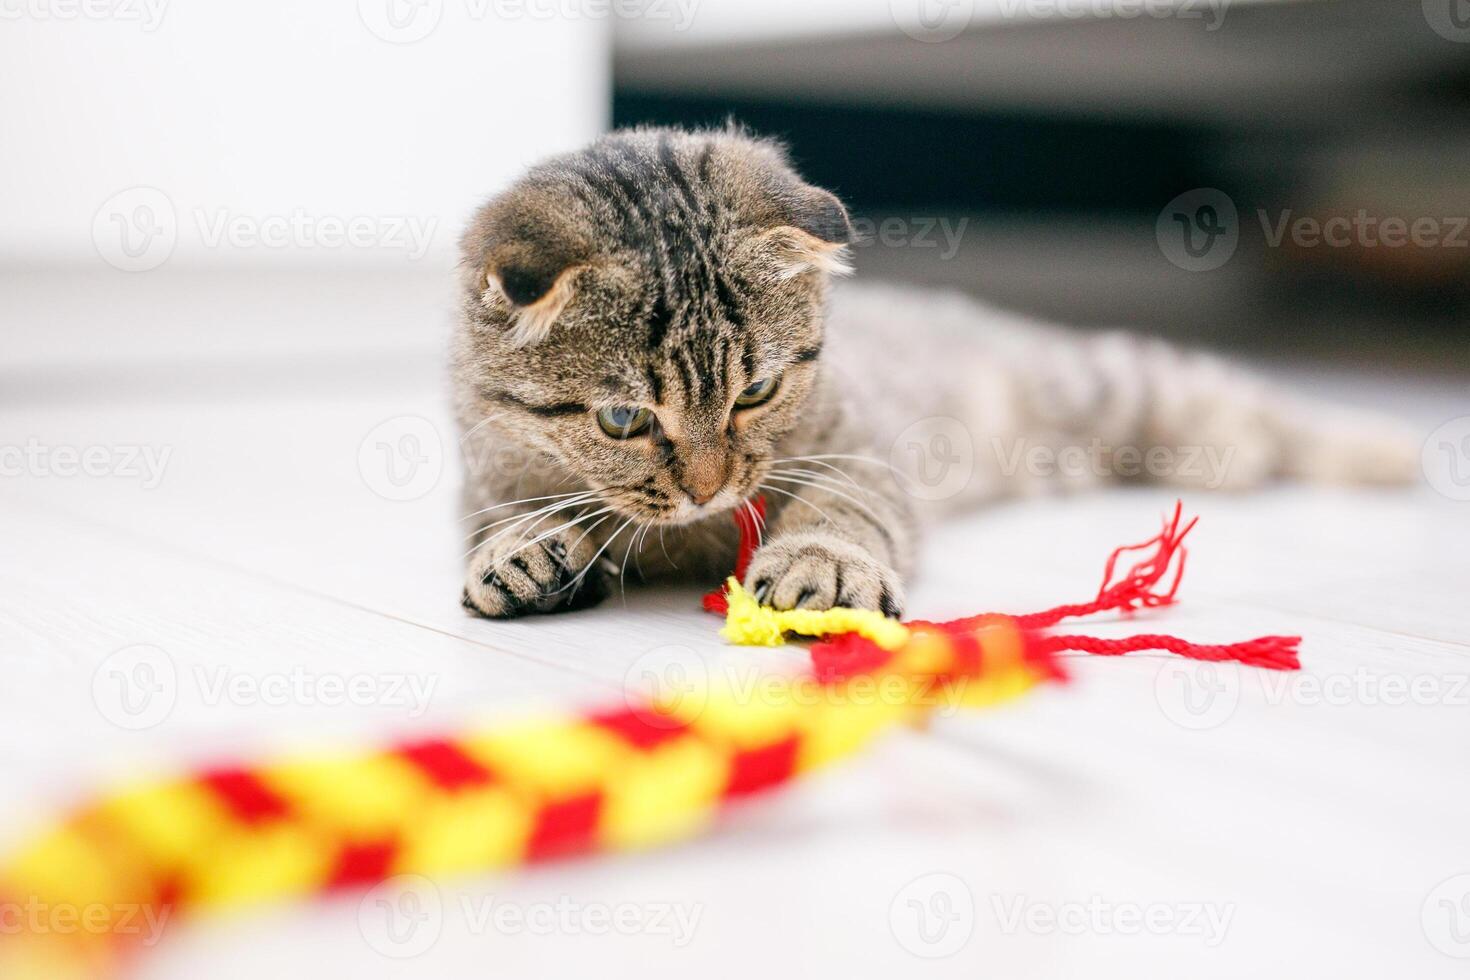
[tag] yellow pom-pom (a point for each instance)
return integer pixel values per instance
(749, 623)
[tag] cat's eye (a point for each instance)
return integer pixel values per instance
(759, 392)
(624, 421)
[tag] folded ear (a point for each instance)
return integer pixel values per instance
(818, 213)
(811, 231)
(538, 287)
(521, 252)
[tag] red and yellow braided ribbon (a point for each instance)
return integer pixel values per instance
(479, 800)
(483, 799)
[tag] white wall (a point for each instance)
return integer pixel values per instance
(183, 133)
(692, 23)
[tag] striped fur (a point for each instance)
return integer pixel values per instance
(669, 270)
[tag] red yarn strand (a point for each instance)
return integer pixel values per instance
(1138, 588)
(750, 520)
(1274, 652)
(1134, 591)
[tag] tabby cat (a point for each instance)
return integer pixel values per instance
(646, 341)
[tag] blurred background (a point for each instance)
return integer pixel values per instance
(1053, 139)
(1282, 178)
(1050, 154)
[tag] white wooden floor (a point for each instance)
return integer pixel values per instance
(1150, 819)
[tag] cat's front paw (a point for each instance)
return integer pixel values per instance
(513, 577)
(816, 570)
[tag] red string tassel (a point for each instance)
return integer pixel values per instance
(1273, 652)
(1135, 590)
(1138, 588)
(750, 518)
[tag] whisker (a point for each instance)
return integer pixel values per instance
(583, 537)
(598, 554)
(499, 534)
(825, 488)
(758, 521)
(555, 531)
(517, 519)
(823, 478)
(528, 500)
(523, 529)
(527, 523)
(638, 556)
(623, 572)
(819, 456)
(545, 509)
(477, 426)
(835, 469)
(664, 548)
(800, 500)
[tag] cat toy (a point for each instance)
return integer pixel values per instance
(646, 772)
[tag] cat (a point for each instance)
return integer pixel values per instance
(646, 341)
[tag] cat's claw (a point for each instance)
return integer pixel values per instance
(819, 570)
(513, 578)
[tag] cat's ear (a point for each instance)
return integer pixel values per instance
(818, 213)
(538, 288)
(523, 258)
(810, 231)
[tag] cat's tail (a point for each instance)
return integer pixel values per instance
(1326, 444)
(1249, 429)
(1117, 408)
(1006, 406)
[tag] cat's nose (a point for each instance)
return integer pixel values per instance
(702, 494)
(703, 480)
